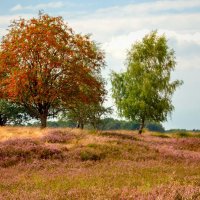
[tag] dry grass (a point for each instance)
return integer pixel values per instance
(75, 164)
(19, 132)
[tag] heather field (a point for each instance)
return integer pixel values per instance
(73, 164)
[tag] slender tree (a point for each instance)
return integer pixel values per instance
(44, 65)
(87, 114)
(144, 91)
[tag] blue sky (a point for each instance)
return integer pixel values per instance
(116, 24)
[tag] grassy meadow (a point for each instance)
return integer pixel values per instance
(61, 164)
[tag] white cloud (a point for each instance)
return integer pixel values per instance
(7, 19)
(110, 24)
(190, 62)
(150, 7)
(18, 7)
(2, 32)
(117, 46)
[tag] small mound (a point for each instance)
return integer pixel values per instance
(57, 136)
(25, 150)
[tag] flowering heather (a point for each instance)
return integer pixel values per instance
(57, 136)
(171, 192)
(191, 144)
(118, 165)
(180, 148)
(17, 150)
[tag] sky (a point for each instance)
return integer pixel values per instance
(117, 24)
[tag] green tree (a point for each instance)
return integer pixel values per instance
(11, 113)
(87, 114)
(157, 127)
(97, 112)
(144, 91)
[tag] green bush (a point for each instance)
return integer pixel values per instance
(92, 145)
(161, 135)
(92, 154)
(183, 134)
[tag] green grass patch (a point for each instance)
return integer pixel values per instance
(91, 154)
(178, 134)
(97, 152)
(186, 134)
(161, 135)
(183, 134)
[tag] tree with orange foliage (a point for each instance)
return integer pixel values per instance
(45, 65)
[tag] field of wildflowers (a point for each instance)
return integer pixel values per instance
(73, 164)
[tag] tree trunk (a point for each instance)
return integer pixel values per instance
(3, 120)
(43, 120)
(141, 127)
(78, 125)
(82, 126)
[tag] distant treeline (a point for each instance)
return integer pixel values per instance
(107, 124)
(114, 124)
(181, 130)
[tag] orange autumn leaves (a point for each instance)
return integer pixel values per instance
(44, 64)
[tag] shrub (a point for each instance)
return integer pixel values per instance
(92, 145)
(183, 134)
(161, 135)
(92, 154)
(100, 151)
